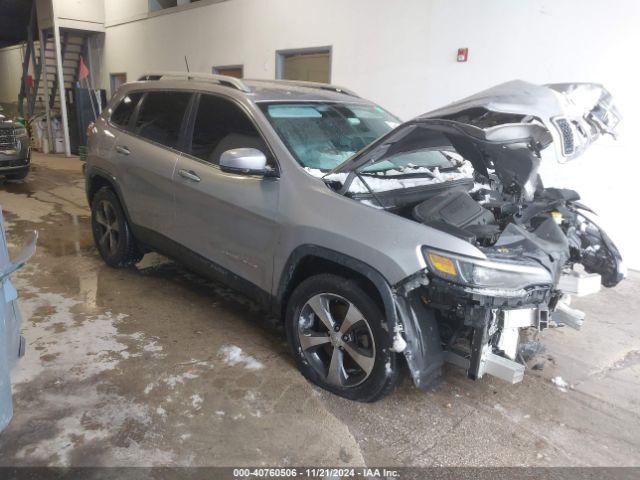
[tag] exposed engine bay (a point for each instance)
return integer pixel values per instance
(541, 245)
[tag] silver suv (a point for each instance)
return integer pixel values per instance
(432, 240)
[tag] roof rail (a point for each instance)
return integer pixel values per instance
(207, 77)
(317, 85)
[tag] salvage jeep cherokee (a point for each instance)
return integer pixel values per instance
(434, 239)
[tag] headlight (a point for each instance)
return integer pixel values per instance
(20, 132)
(496, 274)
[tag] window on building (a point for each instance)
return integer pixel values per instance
(236, 71)
(307, 64)
(160, 117)
(221, 125)
(122, 114)
(116, 81)
(155, 5)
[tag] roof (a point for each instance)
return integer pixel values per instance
(275, 90)
(256, 90)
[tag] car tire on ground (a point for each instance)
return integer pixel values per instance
(337, 335)
(111, 232)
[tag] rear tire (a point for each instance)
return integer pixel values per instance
(337, 336)
(111, 232)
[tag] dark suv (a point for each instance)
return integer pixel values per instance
(15, 152)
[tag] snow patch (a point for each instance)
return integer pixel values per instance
(196, 401)
(389, 181)
(81, 350)
(399, 343)
(560, 383)
(233, 355)
(152, 347)
(103, 416)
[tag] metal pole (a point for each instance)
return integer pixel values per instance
(61, 93)
(89, 90)
(45, 85)
(92, 93)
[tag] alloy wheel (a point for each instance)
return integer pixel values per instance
(108, 227)
(336, 340)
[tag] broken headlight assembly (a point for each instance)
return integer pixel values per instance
(494, 276)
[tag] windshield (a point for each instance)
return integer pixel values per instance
(323, 135)
(418, 161)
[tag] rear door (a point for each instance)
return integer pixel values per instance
(227, 218)
(147, 155)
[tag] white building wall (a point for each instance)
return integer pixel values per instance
(80, 14)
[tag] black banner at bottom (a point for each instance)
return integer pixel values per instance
(359, 473)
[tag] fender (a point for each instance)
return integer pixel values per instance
(93, 172)
(404, 312)
(375, 277)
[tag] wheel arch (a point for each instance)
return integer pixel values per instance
(308, 260)
(97, 179)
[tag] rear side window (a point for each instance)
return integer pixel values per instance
(160, 116)
(221, 125)
(122, 114)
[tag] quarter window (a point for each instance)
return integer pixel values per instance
(219, 126)
(160, 117)
(122, 114)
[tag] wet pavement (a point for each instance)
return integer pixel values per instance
(157, 366)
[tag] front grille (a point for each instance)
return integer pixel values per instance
(568, 144)
(13, 163)
(8, 140)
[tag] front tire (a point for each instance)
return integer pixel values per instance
(338, 339)
(111, 232)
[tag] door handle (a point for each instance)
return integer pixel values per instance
(189, 175)
(122, 150)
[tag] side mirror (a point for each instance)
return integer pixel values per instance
(247, 161)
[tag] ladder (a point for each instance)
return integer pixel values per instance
(73, 46)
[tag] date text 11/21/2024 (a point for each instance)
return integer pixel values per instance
(315, 472)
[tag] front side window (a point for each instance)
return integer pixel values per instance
(220, 125)
(122, 114)
(160, 117)
(323, 135)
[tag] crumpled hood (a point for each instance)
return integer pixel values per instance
(508, 128)
(575, 114)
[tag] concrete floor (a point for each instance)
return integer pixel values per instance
(155, 366)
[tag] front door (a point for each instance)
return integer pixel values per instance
(229, 219)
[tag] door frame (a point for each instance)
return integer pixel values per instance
(112, 78)
(216, 68)
(281, 55)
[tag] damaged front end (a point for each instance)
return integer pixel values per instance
(536, 246)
